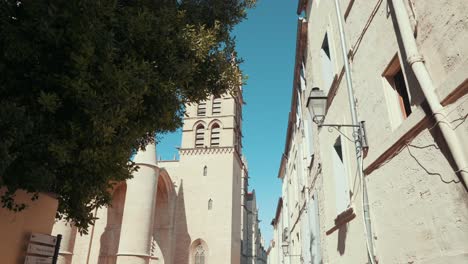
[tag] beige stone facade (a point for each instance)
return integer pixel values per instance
(17, 227)
(185, 211)
(408, 65)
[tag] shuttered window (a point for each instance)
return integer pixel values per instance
(215, 135)
(199, 136)
(216, 106)
(201, 110)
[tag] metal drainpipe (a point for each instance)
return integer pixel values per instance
(352, 106)
(422, 75)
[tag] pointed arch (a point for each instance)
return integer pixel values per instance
(215, 121)
(163, 216)
(205, 171)
(199, 136)
(199, 252)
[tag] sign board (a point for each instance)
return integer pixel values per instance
(41, 250)
(37, 260)
(44, 239)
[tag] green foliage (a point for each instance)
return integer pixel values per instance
(83, 83)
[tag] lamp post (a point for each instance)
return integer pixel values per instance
(285, 248)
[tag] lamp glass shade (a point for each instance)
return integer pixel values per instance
(285, 248)
(317, 102)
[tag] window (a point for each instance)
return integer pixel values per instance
(199, 136)
(302, 76)
(210, 204)
(201, 111)
(340, 176)
(200, 255)
(215, 135)
(205, 171)
(216, 106)
(327, 65)
(396, 93)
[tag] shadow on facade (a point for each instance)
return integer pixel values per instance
(109, 240)
(182, 239)
(342, 234)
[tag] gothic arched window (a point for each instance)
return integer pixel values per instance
(199, 136)
(215, 135)
(210, 204)
(200, 255)
(205, 171)
(216, 110)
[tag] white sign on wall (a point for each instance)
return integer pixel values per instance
(44, 239)
(47, 251)
(43, 248)
(37, 260)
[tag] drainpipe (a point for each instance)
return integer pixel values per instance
(357, 142)
(422, 75)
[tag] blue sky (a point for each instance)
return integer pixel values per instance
(266, 41)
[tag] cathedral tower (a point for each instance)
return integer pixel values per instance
(210, 170)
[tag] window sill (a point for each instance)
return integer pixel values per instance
(383, 150)
(343, 218)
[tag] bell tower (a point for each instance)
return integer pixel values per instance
(210, 169)
(215, 122)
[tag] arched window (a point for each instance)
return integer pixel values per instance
(215, 134)
(201, 110)
(216, 110)
(205, 171)
(200, 255)
(199, 136)
(210, 204)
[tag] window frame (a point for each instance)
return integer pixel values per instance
(398, 98)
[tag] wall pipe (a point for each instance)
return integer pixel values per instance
(357, 141)
(422, 75)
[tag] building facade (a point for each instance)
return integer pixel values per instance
(398, 195)
(185, 211)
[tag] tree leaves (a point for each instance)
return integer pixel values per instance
(85, 83)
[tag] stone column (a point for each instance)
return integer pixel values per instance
(68, 232)
(140, 201)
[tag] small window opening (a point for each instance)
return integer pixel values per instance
(338, 148)
(400, 87)
(396, 93)
(205, 171)
(325, 46)
(210, 204)
(201, 111)
(327, 64)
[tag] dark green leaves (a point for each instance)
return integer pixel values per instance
(83, 83)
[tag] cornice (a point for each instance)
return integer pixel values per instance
(206, 151)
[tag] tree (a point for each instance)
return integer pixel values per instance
(83, 83)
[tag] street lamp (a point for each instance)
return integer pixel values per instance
(317, 103)
(285, 247)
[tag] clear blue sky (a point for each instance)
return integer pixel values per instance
(266, 41)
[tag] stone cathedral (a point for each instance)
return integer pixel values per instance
(185, 211)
